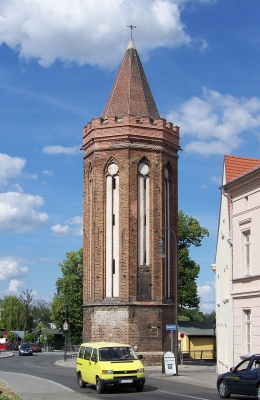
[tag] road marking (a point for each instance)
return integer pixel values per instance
(183, 395)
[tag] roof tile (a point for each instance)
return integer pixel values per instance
(131, 93)
(239, 166)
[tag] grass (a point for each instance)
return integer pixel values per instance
(7, 394)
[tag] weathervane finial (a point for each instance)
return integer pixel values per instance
(132, 27)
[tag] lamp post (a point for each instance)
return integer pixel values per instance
(65, 325)
(162, 255)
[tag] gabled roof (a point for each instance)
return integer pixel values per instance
(238, 166)
(196, 328)
(131, 93)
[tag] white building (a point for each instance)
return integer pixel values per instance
(236, 289)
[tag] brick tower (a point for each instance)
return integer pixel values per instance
(130, 193)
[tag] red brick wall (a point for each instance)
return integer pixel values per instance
(127, 143)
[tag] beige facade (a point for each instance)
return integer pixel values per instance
(245, 193)
(237, 263)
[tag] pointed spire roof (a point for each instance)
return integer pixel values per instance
(131, 93)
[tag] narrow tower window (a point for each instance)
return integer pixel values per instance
(112, 231)
(167, 225)
(143, 214)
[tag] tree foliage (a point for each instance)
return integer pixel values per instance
(190, 233)
(11, 337)
(12, 313)
(29, 337)
(67, 303)
(27, 302)
(194, 314)
(41, 310)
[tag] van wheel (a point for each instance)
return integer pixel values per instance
(99, 386)
(81, 383)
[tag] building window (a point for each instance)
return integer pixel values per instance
(143, 215)
(247, 238)
(167, 233)
(112, 231)
(248, 331)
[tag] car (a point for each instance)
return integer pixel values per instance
(243, 379)
(109, 365)
(35, 347)
(25, 350)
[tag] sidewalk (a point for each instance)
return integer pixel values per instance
(29, 388)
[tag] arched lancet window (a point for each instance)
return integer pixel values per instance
(143, 214)
(112, 231)
(167, 213)
(90, 202)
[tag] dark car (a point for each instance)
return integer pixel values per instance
(243, 379)
(35, 347)
(25, 350)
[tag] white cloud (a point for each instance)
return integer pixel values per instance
(60, 230)
(46, 172)
(216, 121)
(50, 30)
(61, 150)
(30, 176)
(207, 297)
(10, 166)
(74, 220)
(216, 179)
(18, 214)
(11, 268)
(67, 229)
(15, 286)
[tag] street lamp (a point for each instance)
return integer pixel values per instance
(162, 255)
(65, 325)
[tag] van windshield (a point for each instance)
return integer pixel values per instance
(117, 353)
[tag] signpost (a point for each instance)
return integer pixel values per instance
(171, 328)
(65, 328)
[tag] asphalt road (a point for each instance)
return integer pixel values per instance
(42, 365)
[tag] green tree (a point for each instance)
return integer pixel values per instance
(29, 337)
(1, 335)
(67, 303)
(12, 313)
(190, 233)
(41, 310)
(11, 337)
(27, 301)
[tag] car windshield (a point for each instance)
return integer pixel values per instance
(117, 353)
(25, 346)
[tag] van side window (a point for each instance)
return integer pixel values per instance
(95, 353)
(88, 353)
(81, 352)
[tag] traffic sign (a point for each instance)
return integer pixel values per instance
(171, 327)
(65, 326)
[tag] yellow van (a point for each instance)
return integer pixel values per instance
(109, 365)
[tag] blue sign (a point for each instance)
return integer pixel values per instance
(171, 327)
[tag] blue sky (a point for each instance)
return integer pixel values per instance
(57, 67)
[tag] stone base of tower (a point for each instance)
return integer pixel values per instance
(142, 325)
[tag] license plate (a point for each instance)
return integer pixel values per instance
(126, 381)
